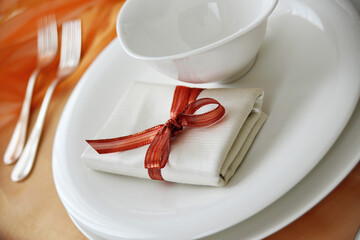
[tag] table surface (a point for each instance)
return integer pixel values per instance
(32, 209)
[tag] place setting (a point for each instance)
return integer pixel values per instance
(205, 120)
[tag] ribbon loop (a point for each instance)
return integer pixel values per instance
(183, 109)
(188, 118)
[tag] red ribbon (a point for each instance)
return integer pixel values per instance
(183, 107)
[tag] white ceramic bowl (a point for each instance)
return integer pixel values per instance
(195, 41)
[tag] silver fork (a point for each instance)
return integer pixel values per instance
(47, 49)
(69, 59)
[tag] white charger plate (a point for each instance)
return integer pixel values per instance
(336, 164)
(309, 70)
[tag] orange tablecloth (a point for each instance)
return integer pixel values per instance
(32, 209)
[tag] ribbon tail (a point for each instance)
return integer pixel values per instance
(157, 154)
(125, 143)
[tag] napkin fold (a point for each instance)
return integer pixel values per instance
(203, 156)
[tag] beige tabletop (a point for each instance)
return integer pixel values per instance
(32, 209)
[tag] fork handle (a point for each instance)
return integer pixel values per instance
(17, 141)
(26, 161)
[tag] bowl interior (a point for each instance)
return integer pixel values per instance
(161, 28)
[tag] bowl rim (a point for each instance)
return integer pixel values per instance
(199, 50)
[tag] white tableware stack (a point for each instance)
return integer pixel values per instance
(308, 65)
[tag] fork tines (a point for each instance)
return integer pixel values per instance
(47, 36)
(71, 43)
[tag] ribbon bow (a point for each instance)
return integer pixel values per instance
(183, 107)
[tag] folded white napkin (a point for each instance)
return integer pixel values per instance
(202, 155)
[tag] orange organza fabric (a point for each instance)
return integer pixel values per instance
(18, 45)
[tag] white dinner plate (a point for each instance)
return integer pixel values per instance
(309, 69)
(336, 164)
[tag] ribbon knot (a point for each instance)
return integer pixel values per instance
(182, 114)
(174, 125)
